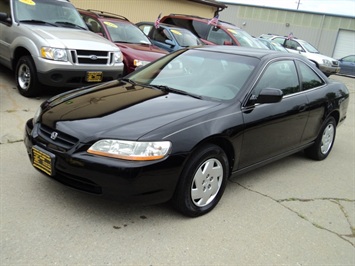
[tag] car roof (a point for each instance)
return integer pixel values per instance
(247, 51)
(103, 14)
(161, 24)
(193, 17)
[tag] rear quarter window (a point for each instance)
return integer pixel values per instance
(309, 78)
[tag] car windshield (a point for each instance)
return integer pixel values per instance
(277, 46)
(185, 38)
(309, 48)
(125, 32)
(199, 73)
(47, 12)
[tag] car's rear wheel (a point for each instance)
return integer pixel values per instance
(202, 182)
(324, 142)
(26, 77)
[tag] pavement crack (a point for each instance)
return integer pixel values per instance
(337, 201)
(6, 140)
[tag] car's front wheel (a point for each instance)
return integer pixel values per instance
(202, 182)
(26, 77)
(324, 142)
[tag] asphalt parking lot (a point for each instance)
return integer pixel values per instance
(292, 212)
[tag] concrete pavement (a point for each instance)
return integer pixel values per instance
(292, 212)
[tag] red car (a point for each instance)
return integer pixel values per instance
(136, 48)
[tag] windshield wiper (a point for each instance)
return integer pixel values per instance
(129, 81)
(169, 89)
(37, 22)
(66, 23)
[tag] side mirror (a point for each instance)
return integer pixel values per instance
(170, 42)
(299, 48)
(227, 43)
(4, 17)
(269, 95)
(89, 27)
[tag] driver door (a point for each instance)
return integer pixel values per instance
(276, 128)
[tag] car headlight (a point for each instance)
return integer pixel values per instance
(117, 57)
(138, 63)
(131, 150)
(54, 54)
(37, 115)
(327, 62)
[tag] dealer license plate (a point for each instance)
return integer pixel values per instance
(94, 76)
(43, 160)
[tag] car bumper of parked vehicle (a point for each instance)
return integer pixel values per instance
(67, 75)
(135, 182)
(76, 78)
(329, 70)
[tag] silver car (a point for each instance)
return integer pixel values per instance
(47, 44)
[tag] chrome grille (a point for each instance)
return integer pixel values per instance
(89, 57)
(56, 139)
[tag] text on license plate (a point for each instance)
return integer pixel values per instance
(42, 160)
(94, 76)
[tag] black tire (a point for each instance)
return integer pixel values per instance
(324, 142)
(26, 77)
(202, 181)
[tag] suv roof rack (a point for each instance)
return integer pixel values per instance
(107, 14)
(193, 16)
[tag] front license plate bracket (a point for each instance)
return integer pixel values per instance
(43, 160)
(94, 76)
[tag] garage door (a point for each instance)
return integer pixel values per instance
(345, 44)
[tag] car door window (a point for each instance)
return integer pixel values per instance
(349, 59)
(93, 24)
(218, 36)
(279, 40)
(291, 44)
(200, 29)
(146, 29)
(5, 7)
(161, 35)
(279, 75)
(309, 78)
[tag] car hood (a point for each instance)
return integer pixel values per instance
(142, 51)
(118, 110)
(68, 38)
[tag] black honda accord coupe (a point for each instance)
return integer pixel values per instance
(178, 128)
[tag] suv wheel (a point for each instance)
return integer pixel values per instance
(26, 77)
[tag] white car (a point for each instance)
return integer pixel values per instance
(325, 63)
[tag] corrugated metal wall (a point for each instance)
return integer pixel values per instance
(318, 29)
(146, 10)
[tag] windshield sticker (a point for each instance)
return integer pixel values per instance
(28, 2)
(232, 31)
(110, 24)
(176, 32)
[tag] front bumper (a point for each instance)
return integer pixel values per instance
(329, 70)
(69, 75)
(74, 78)
(139, 182)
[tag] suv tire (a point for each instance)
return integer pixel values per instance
(26, 77)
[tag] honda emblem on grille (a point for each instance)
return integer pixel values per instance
(93, 57)
(54, 135)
